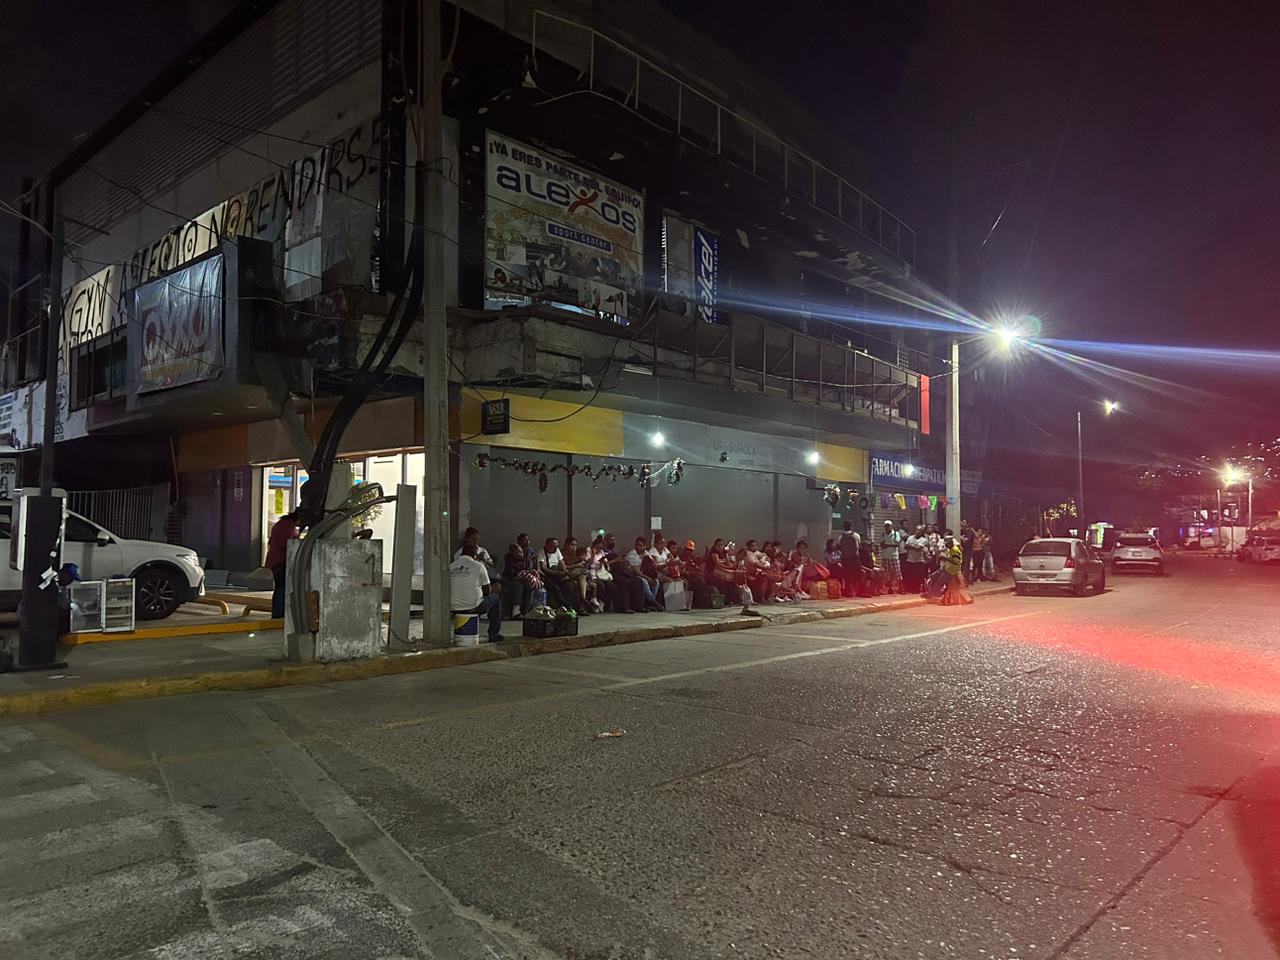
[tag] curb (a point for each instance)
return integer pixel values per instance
(120, 691)
(288, 675)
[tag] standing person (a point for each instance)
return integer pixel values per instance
(850, 546)
(284, 530)
(974, 573)
(989, 559)
(469, 590)
(967, 537)
(953, 569)
(890, 559)
(933, 558)
(913, 571)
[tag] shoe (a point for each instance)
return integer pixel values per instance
(748, 612)
(517, 616)
(801, 595)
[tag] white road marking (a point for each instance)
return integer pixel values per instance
(445, 927)
(24, 772)
(841, 648)
(82, 841)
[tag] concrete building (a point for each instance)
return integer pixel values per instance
(653, 255)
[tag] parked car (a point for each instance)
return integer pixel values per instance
(1058, 563)
(1137, 551)
(166, 576)
(1260, 549)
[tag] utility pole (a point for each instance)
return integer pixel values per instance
(953, 436)
(436, 626)
(41, 517)
(953, 288)
(1219, 538)
(1080, 473)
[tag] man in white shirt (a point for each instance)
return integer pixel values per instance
(550, 563)
(469, 590)
(635, 557)
(472, 536)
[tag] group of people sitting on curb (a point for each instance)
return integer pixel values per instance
(664, 574)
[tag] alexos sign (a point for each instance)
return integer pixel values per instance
(572, 190)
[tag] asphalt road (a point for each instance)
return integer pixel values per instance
(1027, 777)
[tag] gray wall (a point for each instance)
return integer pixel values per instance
(708, 502)
(712, 502)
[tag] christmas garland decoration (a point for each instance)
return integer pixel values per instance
(645, 474)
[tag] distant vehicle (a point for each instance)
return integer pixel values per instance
(1058, 563)
(1137, 551)
(165, 576)
(1264, 548)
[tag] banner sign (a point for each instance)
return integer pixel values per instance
(180, 317)
(897, 470)
(557, 233)
(691, 265)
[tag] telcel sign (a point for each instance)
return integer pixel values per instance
(706, 263)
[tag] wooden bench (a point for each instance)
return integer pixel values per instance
(256, 604)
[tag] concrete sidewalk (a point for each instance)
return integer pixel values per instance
(107, 672)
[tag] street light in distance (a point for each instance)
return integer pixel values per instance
(1109, 407)
(1231, 475)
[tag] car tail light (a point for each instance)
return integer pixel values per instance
(1017, 563)
(1070, 564)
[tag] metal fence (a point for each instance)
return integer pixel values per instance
(609, 69)
(127, 513)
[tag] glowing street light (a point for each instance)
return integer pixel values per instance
(909, 470)
(813, 458)
(1231, 475)
(1109, 407)
(657, 439)
(1006, 337)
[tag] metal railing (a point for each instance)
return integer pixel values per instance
(614, 71)
(126, 513)
(751, 354)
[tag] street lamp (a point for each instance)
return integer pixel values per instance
(1231, 475)
(1108, 407)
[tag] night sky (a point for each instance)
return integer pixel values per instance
(1131, 152)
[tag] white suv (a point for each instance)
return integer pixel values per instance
(166, 576)
(1138, 550)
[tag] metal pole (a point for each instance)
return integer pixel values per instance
(953, 437)
(1250, 527)
(1080, 473)
(53, 332)
(1219, 520)
(436, 627)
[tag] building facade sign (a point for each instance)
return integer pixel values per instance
(691, 265)
(180, 317)
(557, 233)
(263, 211)
(900, 471)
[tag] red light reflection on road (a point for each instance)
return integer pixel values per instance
(1179, 657)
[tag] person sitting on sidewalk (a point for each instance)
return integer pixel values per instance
(469, 591)
(628, 587)
(519, 580)
(873, 575)
(636, 557)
